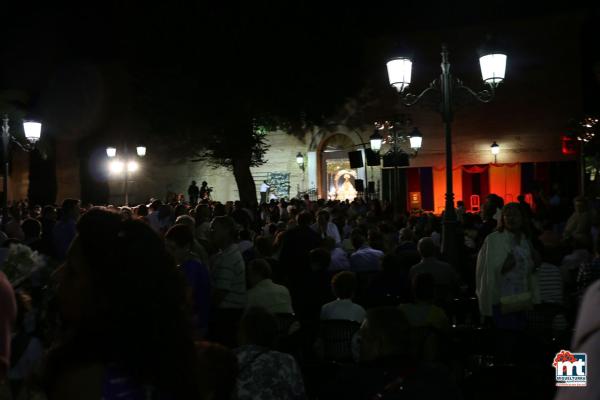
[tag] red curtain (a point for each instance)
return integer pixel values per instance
(439, 187)
(475, 180)
(505, 181)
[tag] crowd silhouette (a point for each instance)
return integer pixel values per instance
(295, 300)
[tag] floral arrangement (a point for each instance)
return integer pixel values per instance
(20, 262)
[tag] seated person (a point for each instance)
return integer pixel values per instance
(344, 286)
(365, 258)
(422, 312)
(386, 366)
(444, 276)
(122, 302)
(391, 286)
(339, 258)
(218, 371)
(263, 372)
(262, 292)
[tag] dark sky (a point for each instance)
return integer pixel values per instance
(94, 62)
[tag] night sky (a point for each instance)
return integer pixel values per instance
(115, 67)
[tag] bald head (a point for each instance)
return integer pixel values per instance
(426, 247)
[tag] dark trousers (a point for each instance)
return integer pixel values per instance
(263, 197)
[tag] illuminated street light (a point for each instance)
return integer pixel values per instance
(493, 68)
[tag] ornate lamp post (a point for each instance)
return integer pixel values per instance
(395, 134)
(130, 166)
(33, 132)
(493, 66)
(495, 147)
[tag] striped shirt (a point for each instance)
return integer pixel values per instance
(550, 284)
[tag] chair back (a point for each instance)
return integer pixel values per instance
(336, 339)
(475, 205)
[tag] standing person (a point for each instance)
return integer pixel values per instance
(193, 193)
(504, 271)
(65, 230)
(203, 190)
(264, 189)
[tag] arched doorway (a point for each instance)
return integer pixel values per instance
(336, 180)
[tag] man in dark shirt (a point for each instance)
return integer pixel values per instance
(203, 190)
(193, 193)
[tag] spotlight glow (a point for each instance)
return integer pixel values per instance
(116, 166)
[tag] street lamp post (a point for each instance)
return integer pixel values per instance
(493, 66)
(33, 132)
(129, 166)
(396, 156)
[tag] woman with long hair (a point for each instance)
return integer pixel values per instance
(505, 264)
(126, 325)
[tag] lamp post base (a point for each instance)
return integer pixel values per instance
(449, 242)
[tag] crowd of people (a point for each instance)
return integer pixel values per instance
(293, 300)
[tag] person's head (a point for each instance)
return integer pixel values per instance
(521, 198)
(512, 218)
(179, 240)
(385, 332)
(460, 204)
(49, 213)
(107, 293)
(193, 183)
(426, 247)
(126, 213)
(223, 231)
(344, 284)
(36, 211)
(202, 212)
(155, 205)
(31, 228)
(306, 197)
(323, 217)
(423, 287)
(142, 211)
(376, 239)
(258, 270)
(186, 220)
(319, 259)
(263, 246)
(358, 238)
(304, 218)
(407, 235)
(258, 327)
(204, 183)
(181, 209)
(218, 370)
(70, 209)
